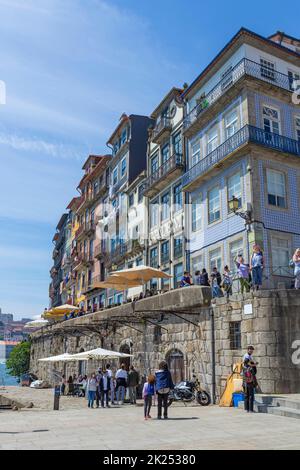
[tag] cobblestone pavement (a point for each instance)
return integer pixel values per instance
(75, 426)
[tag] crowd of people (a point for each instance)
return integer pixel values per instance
(249, 275)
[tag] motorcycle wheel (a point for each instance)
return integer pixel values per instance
(170, 401)
(203, 398)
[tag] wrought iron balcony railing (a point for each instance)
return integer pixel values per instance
(164, 125)
(243, 68)
(247, 134)
(173, 163)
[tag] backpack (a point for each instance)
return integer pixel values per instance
(249, 377)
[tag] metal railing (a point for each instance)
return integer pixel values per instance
(164, 123)
(242, 68)
(175, 161)
(246, 134)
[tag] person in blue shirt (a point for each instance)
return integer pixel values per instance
(164, 384)
(186, 279)
(257, 265)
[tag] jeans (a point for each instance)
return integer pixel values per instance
(147, 405)
(104, 393)
(121, 389)
(92, 395)
(132, 394)
(249, 397)
(297, 279)
(98, 397)
(162, 401)
(257, 276)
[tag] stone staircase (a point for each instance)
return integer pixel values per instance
(279, 405)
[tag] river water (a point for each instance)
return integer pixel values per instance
(5, 378)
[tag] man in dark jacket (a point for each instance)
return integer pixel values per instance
(133, 381)
(104, 386)
(164, 384)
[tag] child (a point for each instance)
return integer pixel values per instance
(148, 393)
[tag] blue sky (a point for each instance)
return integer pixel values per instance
(71, 68)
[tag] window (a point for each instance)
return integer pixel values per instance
(212, 140)
(178, 273)
(154, 257)
(234, 188)
(154, 164)
(123, 136)
(215, 259)
(123, 167)
(196, 214)
(226, 78)
(195, 147)
(280, 256)
(96, 187)
(139, 262)
(197, 263)
(91, 248)
(165, 154)
(177, 247)
(235, 336)
(116, 148)
(294, 78)
(214, 212)
(231, 123)
(115, 176)
(154, 207)
(177, 144)
(267, 69)
(271, 120)
(177, 195)
(131, 199)
(165, 257)
(140, 193)
(165, 206)
(297, 127)
(276, 188)
(236, 248)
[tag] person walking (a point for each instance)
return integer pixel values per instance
(164, 384)
(249, 384)
(227, 281)
(296, 263)
(148, 393)
(257, 265)
(104, 386)
(121, 378)
(243, 271)
(92, 388)
(133, 381)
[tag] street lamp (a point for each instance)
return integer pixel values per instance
(233, 205)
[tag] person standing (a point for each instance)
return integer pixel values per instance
(164, 384)
(92, 388)
(104, 386)
(70, 386)
(121, 377)
(249, 384)
(204, 281)
(133, 381)
(257, 265)
(243, 271)
(148, 393)
(63, 384)
(227, 281)
(296, 263)
(216, 281)
(186, 279)
(98, 391)
(112, 384)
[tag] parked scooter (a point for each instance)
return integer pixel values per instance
(188, 391)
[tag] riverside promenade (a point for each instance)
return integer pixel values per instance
(75, 426)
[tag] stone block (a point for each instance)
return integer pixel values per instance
(267, 386)
(261, 324)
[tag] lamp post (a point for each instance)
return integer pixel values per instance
(233, 205)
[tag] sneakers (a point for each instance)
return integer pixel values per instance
(149, 417)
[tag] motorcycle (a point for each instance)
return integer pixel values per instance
(188, 391)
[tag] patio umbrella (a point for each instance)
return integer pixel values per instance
(141, 274)
(62, 309)
(60, 358)
(116, 282)
(38, 323)
(99, 353)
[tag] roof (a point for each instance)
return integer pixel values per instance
(281, 35)
(243, 32)
(101, 165)
(123, 119)
(61, 221)
(73, 203)
(91, 157)
(173, 92)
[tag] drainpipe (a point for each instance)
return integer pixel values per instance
(213, 353)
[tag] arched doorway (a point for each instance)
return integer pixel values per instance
(126, 360)
(82, 365)
(175, 362)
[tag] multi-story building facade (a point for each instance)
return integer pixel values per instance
(163, 188)
(56, 272)
(242, 131)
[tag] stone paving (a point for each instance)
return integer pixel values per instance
(75, 426)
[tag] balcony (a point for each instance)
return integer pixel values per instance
(165, 174)
(89, 228)
(161, 130)
(115, 188)
(83, 260)
(117, 255)
(246, 135)
(245, 68)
